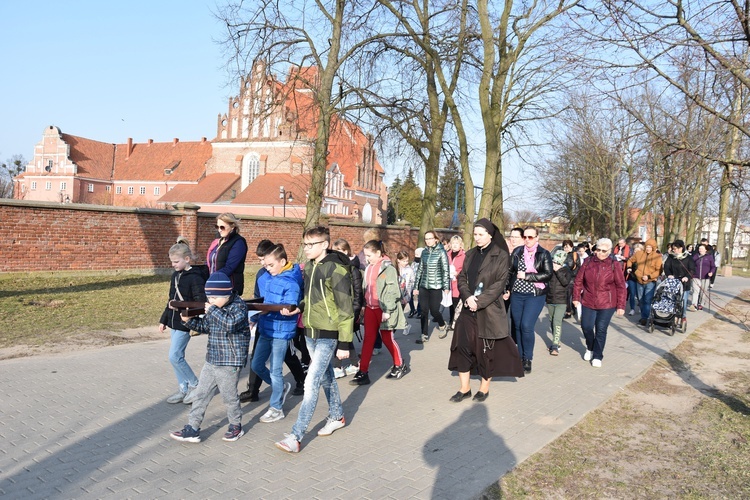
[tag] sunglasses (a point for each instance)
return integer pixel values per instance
(221, 228)
(529, 237)
(601, 250)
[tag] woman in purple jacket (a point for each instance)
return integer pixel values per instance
(602, 284)
(705, 267)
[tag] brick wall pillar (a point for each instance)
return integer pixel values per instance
(189, 223)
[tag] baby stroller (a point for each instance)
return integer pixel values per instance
(666, 309)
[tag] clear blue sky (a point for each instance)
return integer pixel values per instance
(109, 70)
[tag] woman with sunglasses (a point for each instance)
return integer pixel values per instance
(228, 252)
(530, 271)
(600, 290)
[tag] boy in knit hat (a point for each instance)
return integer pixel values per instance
(228, 331)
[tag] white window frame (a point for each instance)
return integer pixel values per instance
(63, 186)
(157, 190)
(131, 190)
(48, 185)
(118, 190)
(142, 190)
(91, 187)
(33, 185)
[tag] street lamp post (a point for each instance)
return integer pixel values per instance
(284, 198)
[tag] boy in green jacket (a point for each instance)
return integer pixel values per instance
(329, 319)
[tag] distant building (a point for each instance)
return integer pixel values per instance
(260, 162)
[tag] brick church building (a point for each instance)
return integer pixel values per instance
(260, 162)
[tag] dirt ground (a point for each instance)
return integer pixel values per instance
(681, 430)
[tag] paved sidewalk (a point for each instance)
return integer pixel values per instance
(94, 424)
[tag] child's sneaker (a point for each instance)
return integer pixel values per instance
(331, 426)
(289, 444)
(272, 415)
(177, 397)
(375, 351)
(407, 329)
(339, 373)
(554, 350)
(192, 393)
(234, 433)
(399, 371)
(188, 435)
(360, 379)
(351, 369)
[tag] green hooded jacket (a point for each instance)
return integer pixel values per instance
(327, 310)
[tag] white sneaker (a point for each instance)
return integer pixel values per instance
(289, 444)
(407, 329)
(177, 397)
(597, 363)
(351, 369)
(272, 415)
(339, 373)
(287, 388)
(632, 312)
(192, 393)
(588, 355)
(332, 425)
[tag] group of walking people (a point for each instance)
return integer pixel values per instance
(494, 293)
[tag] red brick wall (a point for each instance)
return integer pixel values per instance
(46, 236)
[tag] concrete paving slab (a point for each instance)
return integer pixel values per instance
(94, 423)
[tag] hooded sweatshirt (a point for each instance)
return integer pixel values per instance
(646, 264)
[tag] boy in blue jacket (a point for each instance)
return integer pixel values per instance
(282, 284)
(228, 331)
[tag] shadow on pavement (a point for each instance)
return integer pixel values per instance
(467, 454)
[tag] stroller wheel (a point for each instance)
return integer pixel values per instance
(671, 331)
(651, 326)
(683, 328)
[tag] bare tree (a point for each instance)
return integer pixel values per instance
(12, 167)
(518, 66)
(329, 35)
(647, 39)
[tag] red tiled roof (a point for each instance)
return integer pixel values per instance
(94, 158)
(264, 190)
(208, 190)
(148, 161)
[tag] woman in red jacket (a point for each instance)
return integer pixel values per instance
(602, 284)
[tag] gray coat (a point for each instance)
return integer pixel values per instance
(492, 320)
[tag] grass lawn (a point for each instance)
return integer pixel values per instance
(42, 308)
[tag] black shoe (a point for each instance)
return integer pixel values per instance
(299, 389)
(399, 371)
(567, 316)
(460, 396)
(249, 395)
(527, 365)
(642, 322)
(360, 379)
(480, 396)
(423, 339)
(411, 314)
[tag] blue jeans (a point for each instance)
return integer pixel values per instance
(632, 291)
(185, 376)
(594, 323)
(525, 309)
(319, 373)
(645, 297)
(275, 349)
